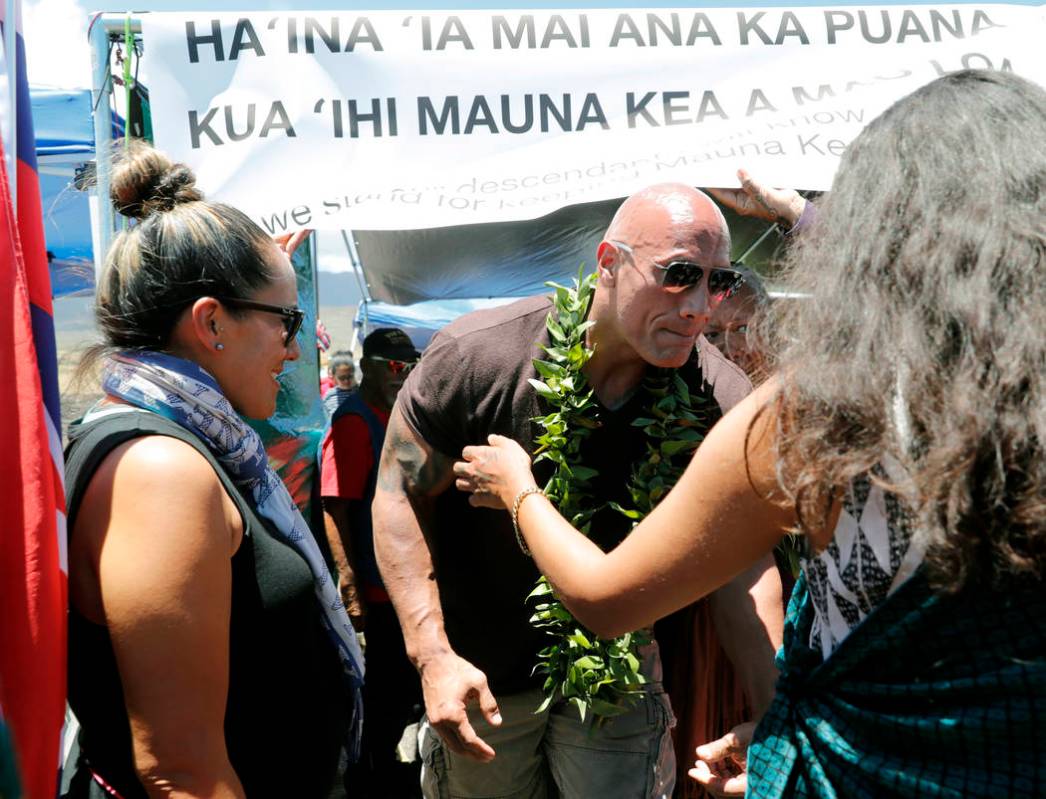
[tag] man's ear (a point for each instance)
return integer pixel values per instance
(607, 257)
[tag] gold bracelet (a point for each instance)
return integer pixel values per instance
(522, 495)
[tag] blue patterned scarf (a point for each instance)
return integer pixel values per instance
(181, 391)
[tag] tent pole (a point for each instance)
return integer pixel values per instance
(357, 266)
(357, 270)
(756, 243)
(11, 56)
(103, 138)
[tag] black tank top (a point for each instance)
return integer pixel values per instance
(288, 708)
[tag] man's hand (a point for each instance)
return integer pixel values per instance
(350, 598)
(755, 199)
(450, 685)
(339, 537)
(721, 764)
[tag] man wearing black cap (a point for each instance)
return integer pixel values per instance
(351, 450)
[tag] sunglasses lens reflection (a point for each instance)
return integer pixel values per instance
(292, 324)
(396, 367)
(723, 282)
(681, 275)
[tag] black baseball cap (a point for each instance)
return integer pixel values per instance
(390, 343)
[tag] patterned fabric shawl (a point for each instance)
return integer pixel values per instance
(932, 695)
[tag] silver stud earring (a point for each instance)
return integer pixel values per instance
(219, 346)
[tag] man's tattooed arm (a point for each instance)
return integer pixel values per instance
(409, 465)
(411, 474)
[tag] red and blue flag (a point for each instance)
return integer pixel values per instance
(32, 505)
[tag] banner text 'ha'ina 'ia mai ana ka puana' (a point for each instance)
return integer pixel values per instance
(399, 120)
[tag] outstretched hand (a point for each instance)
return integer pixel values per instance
(494, 474)
(762, 202)
(289, 242)
(721, 764)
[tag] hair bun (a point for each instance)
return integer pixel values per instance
(145, 181)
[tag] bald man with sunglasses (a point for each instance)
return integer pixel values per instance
(454, 572)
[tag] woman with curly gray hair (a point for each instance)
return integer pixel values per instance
(903, 435)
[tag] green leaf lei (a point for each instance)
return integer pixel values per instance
(599, 677)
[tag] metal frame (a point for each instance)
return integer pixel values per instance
(105, 29)
(362, 316)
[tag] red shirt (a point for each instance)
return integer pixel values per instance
(348, 456)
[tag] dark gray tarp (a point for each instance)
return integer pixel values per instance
(504, 259)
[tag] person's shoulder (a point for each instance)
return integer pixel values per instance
(158, 471)
(487, 342)
(728, 381)
(160, 457)
(529, 312)
(469, 365)
(157, 453)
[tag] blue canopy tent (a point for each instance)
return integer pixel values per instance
(64, 126)
(421, 320)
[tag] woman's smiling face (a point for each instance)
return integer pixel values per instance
(255, 345)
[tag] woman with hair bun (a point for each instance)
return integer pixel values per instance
(209, 653)
(904, 435)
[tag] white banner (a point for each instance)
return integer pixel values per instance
(397, 120)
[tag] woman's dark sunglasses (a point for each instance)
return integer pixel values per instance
(394, 365)
(679, 276)
(292, 317)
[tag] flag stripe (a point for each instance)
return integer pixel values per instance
(54, 445)
(63, 541)
(47, 359)
(26, 149)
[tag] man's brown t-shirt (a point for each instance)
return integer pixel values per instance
(472, 381)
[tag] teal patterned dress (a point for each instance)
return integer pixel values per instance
(929, 695)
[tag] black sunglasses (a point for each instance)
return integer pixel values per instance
(292, 317)
(679, 276)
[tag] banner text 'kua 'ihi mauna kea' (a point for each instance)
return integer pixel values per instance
(399, 120)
